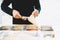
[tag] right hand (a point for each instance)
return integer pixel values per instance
(16, 14)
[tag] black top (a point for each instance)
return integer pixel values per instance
(25, 7)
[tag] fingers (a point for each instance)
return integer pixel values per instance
(35, 14)
(24, 18)
(17, 17)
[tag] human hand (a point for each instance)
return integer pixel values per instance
(16, 14)
(35, 13)
(24, 18)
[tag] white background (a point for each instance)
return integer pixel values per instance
(49, 15)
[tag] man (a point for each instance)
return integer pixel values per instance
(21, 8)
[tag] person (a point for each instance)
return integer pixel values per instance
(21, 8)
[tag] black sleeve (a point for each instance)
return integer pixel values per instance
(37, 5)
(5, 8)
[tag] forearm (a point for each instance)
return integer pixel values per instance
(5, 8)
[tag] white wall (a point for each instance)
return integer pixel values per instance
(0, 13)
(0, 18)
